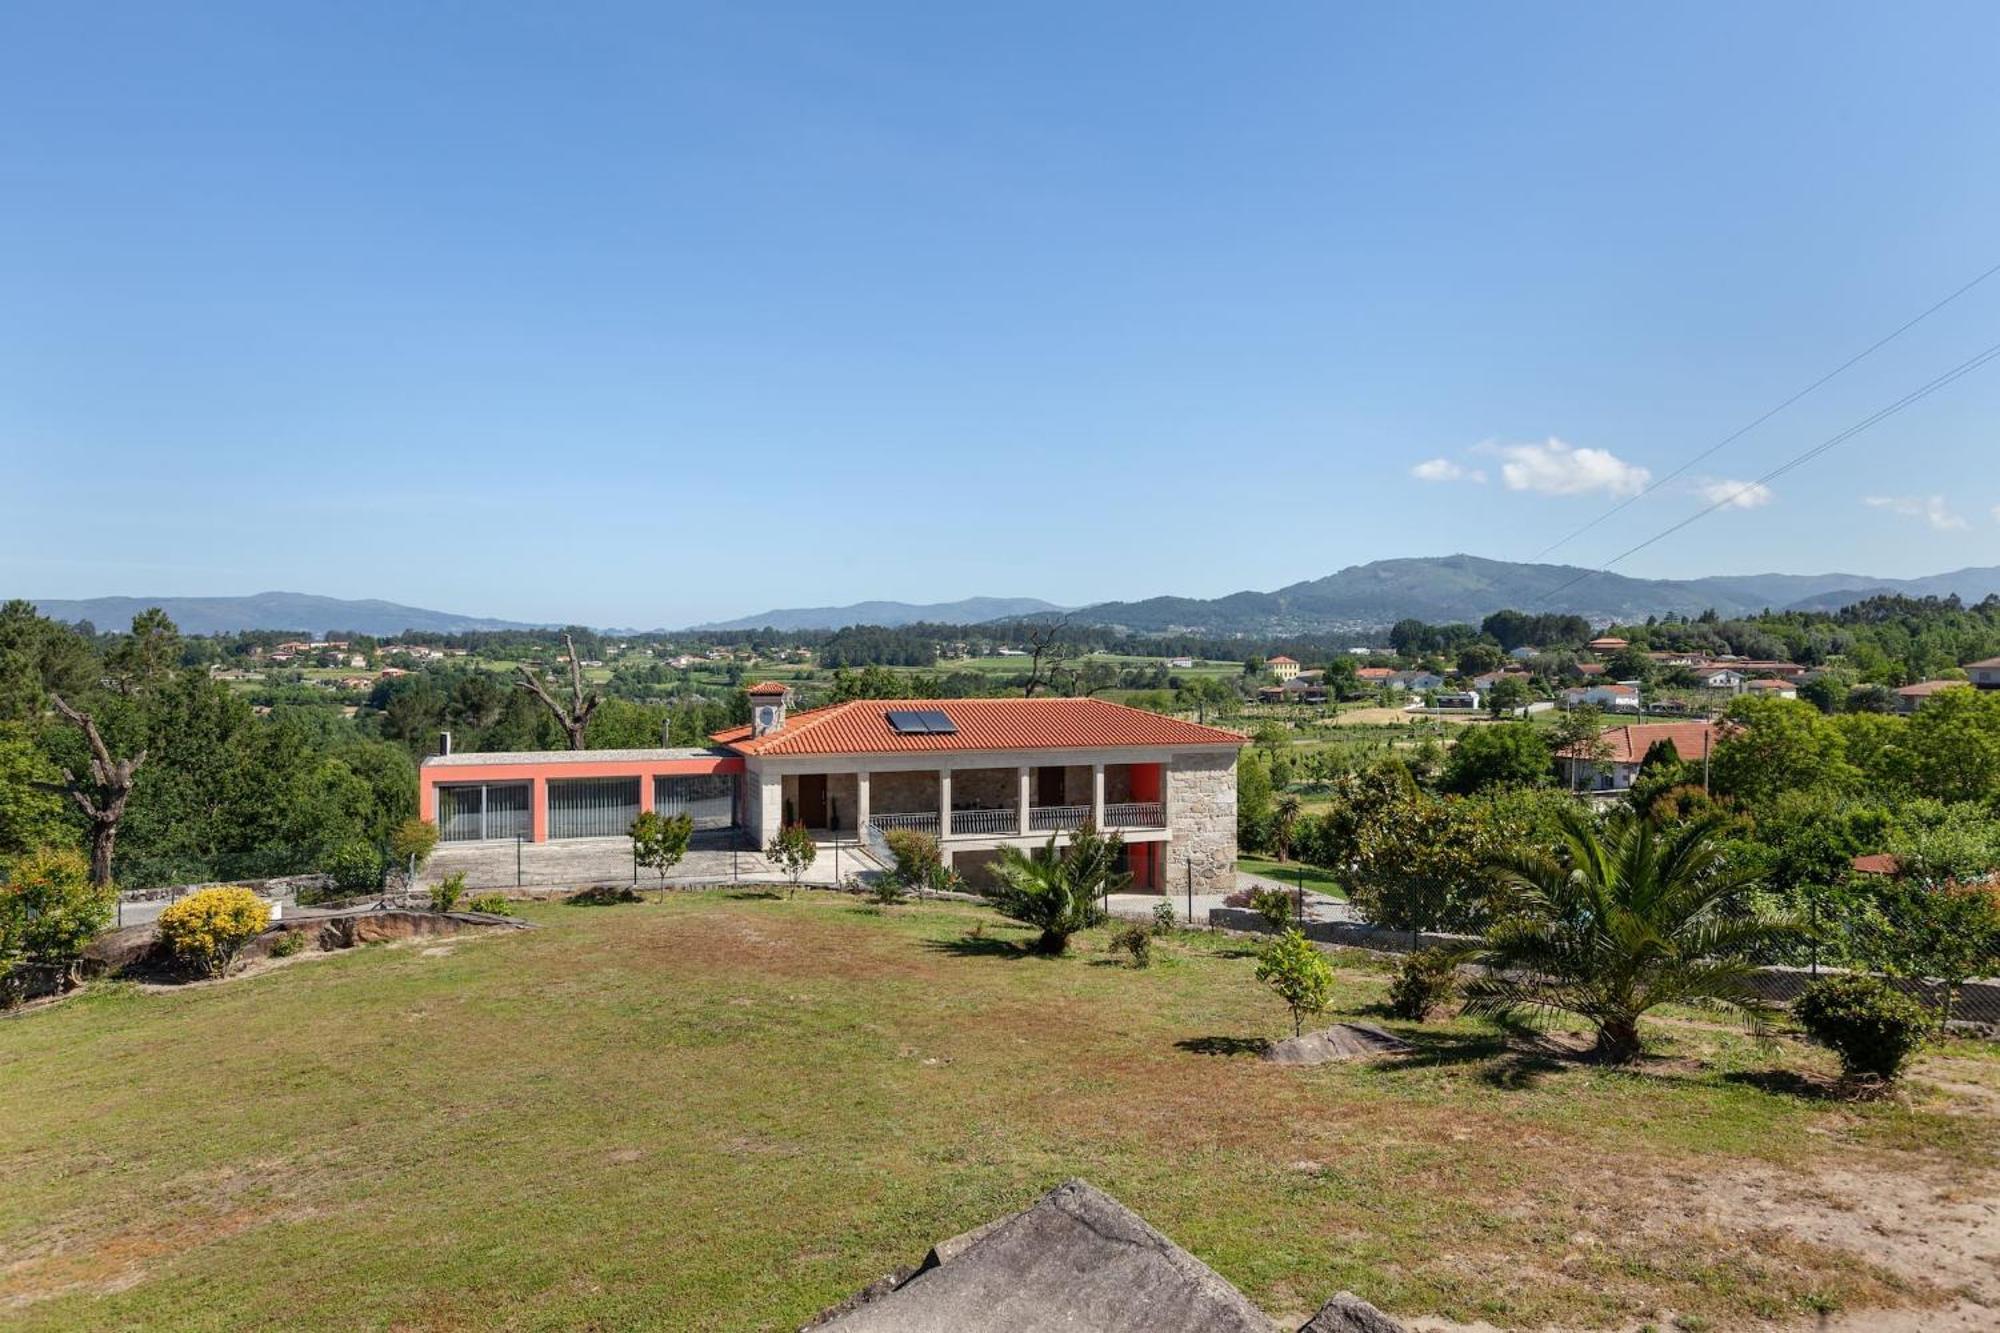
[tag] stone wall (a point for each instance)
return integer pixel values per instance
(1201, 811)
(900, 792)
(985, 788)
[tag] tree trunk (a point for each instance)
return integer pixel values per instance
(103, 841)
(1618, 1040)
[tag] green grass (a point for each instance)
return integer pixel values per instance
(1288, 872)
(729, 1111)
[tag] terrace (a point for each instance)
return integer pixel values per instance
(980, 803)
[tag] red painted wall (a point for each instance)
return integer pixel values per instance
(538, 775)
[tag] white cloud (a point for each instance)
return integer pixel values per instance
(1735, 494)
(1932, 509)
(1443, 469)
(1996, 513)
(1555, 468)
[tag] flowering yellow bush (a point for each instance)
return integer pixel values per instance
(209, 927)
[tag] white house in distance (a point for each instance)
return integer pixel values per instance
(1770, 687)
(1985, 675)
(1284, 668)
(1610, 696)
(1912, 697)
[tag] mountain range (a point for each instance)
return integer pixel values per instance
(298, 611)
(1361, 597)
(970, 611)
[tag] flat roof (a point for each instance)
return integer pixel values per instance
(473, 759)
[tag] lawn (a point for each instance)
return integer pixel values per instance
(1288, 872)
(727, 1111)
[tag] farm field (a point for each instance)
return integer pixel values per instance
(727, 1111)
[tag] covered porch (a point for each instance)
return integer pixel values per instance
(979, 802)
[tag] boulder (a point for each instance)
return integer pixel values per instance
(1076, 1259)
(1348, 1313)
(1342, 1041)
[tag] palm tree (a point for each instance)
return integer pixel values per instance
(1058, 891)
(1628, 916)
(1285, 824)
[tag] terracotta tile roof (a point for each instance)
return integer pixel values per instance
(862, 727)
(1609, 641)
(769, 687)
(1374, 673)
(1988, 663)
(1925, 688)
(1769, 683)
(1629, 743)
(1877, 863)
(1273, 661)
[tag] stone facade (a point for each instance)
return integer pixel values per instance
(1201, 811)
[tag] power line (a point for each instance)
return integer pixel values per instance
(1722, 444)
(1909, 399)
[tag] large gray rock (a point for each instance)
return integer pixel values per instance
(1348, 1313)
(1076, 1260)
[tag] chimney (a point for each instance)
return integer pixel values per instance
(767, 707)
(444, 742)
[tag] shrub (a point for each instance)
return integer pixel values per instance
(208, 928)
(355, 864)
(1873, 1027)
(49, 909)
(603, 895)
(919, 864)
(493, 904)
(1426, 980)
(1163, 918)
(447, 891)
(887, 889)
(412, 843)
(288, 943)
(1134, 939)
(1274, 905)
(1299, 974)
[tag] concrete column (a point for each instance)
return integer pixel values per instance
(1097, 796)
(645, 792)
(861, 804)
(538, 810)
(1027, 793)
(944, 803)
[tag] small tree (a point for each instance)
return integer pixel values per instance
(919, 864)
(411, 843)
(794, 851)
(1058, 890)
(659, 842)
(50, 909)
(1300, 975)
(1274, 905)
(208, 928)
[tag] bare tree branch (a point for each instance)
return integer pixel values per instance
(102, 799)
(576, 715)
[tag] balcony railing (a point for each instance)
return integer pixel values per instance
(1057, 818)
(1135, 814)
(985, 821)
(920, 823)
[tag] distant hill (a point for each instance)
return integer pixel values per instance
(970, 611)
(1468, 588)
(298, 611)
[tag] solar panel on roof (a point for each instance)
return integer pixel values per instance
(908, 722)
(939, 722)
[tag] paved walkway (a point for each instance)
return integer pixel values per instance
(1139, 906)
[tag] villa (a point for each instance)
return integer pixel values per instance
(977, 774)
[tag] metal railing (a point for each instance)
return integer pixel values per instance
(985, 821)
(1057, 818)
(1135, 814)
(921, 823)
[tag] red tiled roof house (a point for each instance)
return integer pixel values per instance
(978, 774)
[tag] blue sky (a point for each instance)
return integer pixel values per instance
(644, 314)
